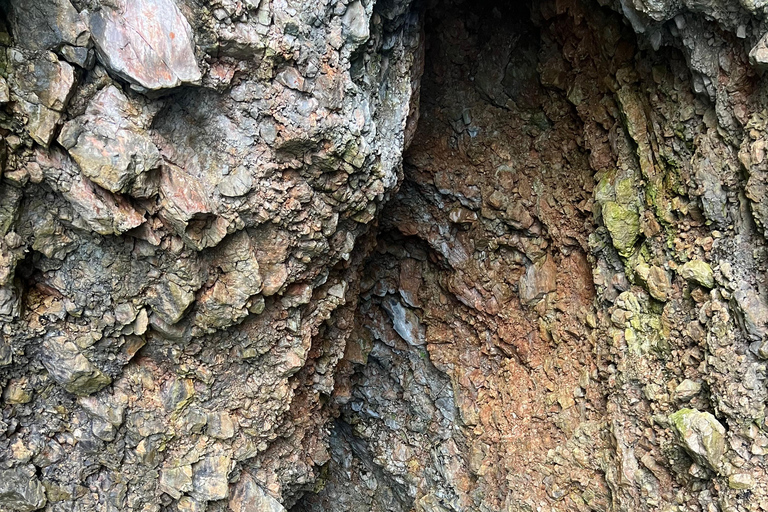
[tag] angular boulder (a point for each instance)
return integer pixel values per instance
(248, 495)
(109, 142)
(701, 435)
(699, 272)
(146, 42)
(47, 25)
(71, 369)
(20, 491)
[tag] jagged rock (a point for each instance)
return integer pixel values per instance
(147, 42)
(225, 302)
(102, 211)
(624, 225)
(210, 478)
(329, 320)
(405, 322)
(188, 210)
(539, 279)
(741, 481)
(71, 369)
(758, 55)
(248, 495)
(754, 311)
(701, 435)
(687, 390)
(45, 81)
(110, 143)
(21, 491)
(176, 480)
(46, 25)
(355, 22)
(220, 425)
(699, 272)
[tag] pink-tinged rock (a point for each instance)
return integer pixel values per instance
(187, 209)
(147, 42)
(109, 142)
(102, 211)
(539, 279)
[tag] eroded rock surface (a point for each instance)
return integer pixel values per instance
(383, 256)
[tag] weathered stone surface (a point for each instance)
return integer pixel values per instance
(295, 313)
(539, 279)
(210, 478)
(46, 25)
(110, 144)
(624, 225)
(21, 491)
(147, 42)
(249, 496)
(758, 55)
(687, 390)
(176, 480)
(71, 369)
(701, 435)
(699, 272)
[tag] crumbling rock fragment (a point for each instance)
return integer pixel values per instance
(21, 491)
(70, 368)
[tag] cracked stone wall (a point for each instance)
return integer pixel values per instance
(373, 255)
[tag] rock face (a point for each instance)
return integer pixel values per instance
(383, 256)
(147, 42)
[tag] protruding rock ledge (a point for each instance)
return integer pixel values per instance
(147, 42)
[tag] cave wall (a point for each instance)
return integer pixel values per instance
(382, 256)
(573, 247)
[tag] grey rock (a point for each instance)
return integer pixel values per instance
(248, 496)
(701, 435)
(754, 312)
(758, 55)
(110, 144)
(21, 491)
(176, 480)
(355, 22)
(46, 25)
(71, 369)
(210, 478)
(147, 42)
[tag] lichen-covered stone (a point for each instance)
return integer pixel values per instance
(624, 225)
(701, 435)
(699, 272)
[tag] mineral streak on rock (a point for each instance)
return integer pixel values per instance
(383, 255)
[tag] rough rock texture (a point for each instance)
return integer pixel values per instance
(383, 255)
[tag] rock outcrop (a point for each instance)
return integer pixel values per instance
(383, 255)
